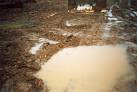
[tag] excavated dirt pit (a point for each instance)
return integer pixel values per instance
(87, 69)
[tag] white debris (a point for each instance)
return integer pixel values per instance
(103, 11)
(135, 13)
(112, 19)
(109, 13)
(110, 16)
(68, 24)
(36, 47)
(66, 34)
(41, 39)
(132, 15)
(84, 7)
(118, 21)
(40, 43)
(51, 15)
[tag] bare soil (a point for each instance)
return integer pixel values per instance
(20, 29)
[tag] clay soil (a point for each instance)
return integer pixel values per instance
(20, 29)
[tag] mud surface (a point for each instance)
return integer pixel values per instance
(21, 29)
(74, 71)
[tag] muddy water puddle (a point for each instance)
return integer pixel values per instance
(86, 69)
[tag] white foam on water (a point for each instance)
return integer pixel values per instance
(86, 69)
(103, 11)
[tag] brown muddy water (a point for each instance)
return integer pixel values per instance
(86, 69)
